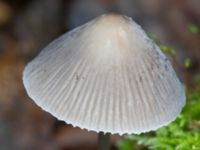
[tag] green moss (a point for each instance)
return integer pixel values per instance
(192, 28)
(164, 48)
(187, 63)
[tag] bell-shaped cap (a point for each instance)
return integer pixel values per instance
(106, 75)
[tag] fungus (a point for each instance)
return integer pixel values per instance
(106, 76)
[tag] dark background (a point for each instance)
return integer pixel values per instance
(26, 26)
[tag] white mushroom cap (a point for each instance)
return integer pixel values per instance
(106, 75)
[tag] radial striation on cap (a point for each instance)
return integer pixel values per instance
(106, 75)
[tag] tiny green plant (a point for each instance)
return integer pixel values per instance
(187, 63)
(164, 48)
(192, 28)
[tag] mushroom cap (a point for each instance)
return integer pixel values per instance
(108, 76)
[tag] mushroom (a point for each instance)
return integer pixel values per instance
(106, 76)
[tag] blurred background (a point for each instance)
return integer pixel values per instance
(26, 26)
